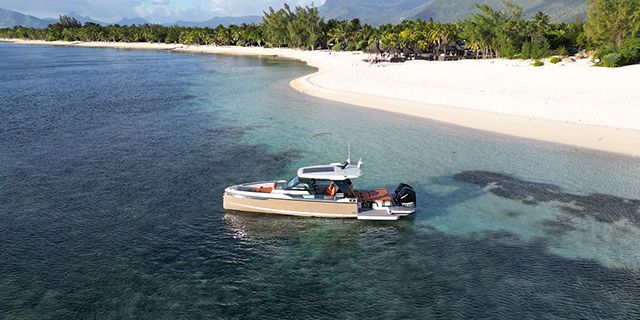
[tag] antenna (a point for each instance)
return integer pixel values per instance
(349, 152)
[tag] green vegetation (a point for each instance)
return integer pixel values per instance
(300, 28)
(538, 63)
(611, 60)
(613, 30)
(555, 60)
(630, 51)
(611, 22)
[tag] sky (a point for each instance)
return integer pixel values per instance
(159, 11)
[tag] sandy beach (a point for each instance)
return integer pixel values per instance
(570, 103)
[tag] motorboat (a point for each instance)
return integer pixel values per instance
(324, 191)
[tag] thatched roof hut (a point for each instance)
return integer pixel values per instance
(393, 51)
(454, 46)
(407, 52)
(450, 47)
(374, 48)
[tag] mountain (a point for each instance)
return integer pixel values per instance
(216, 21)
(10, 18)
(371, 11)
(375, 12)
(83, 19)
(129, 21)
(393, 11)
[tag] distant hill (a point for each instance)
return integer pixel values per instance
(216, 21)
(10, 18)
(371, 11)
(83, 19)
(129, 21)
(375, 12)
(393, 11)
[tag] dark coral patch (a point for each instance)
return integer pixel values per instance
(603, 207)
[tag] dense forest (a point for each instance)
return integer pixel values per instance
(611, 31)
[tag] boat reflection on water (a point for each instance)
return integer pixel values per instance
(247, 226)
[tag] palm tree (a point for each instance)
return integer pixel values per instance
(339, 34)
(442, 34)
(364, 37)
(541, 21)
(484, 26)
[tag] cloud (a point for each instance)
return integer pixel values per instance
(160, 2)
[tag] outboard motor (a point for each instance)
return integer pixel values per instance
(405, 196)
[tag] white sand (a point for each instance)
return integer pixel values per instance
(570, 103)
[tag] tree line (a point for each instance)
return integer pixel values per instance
(611, 30)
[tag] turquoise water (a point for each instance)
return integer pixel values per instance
(114, 162)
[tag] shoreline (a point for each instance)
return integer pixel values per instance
(510, 105)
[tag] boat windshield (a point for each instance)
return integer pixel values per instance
(302, 184)
(293, 182)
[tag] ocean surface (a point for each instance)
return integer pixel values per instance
(113, 164)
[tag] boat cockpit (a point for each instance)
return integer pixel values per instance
(325, 187)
